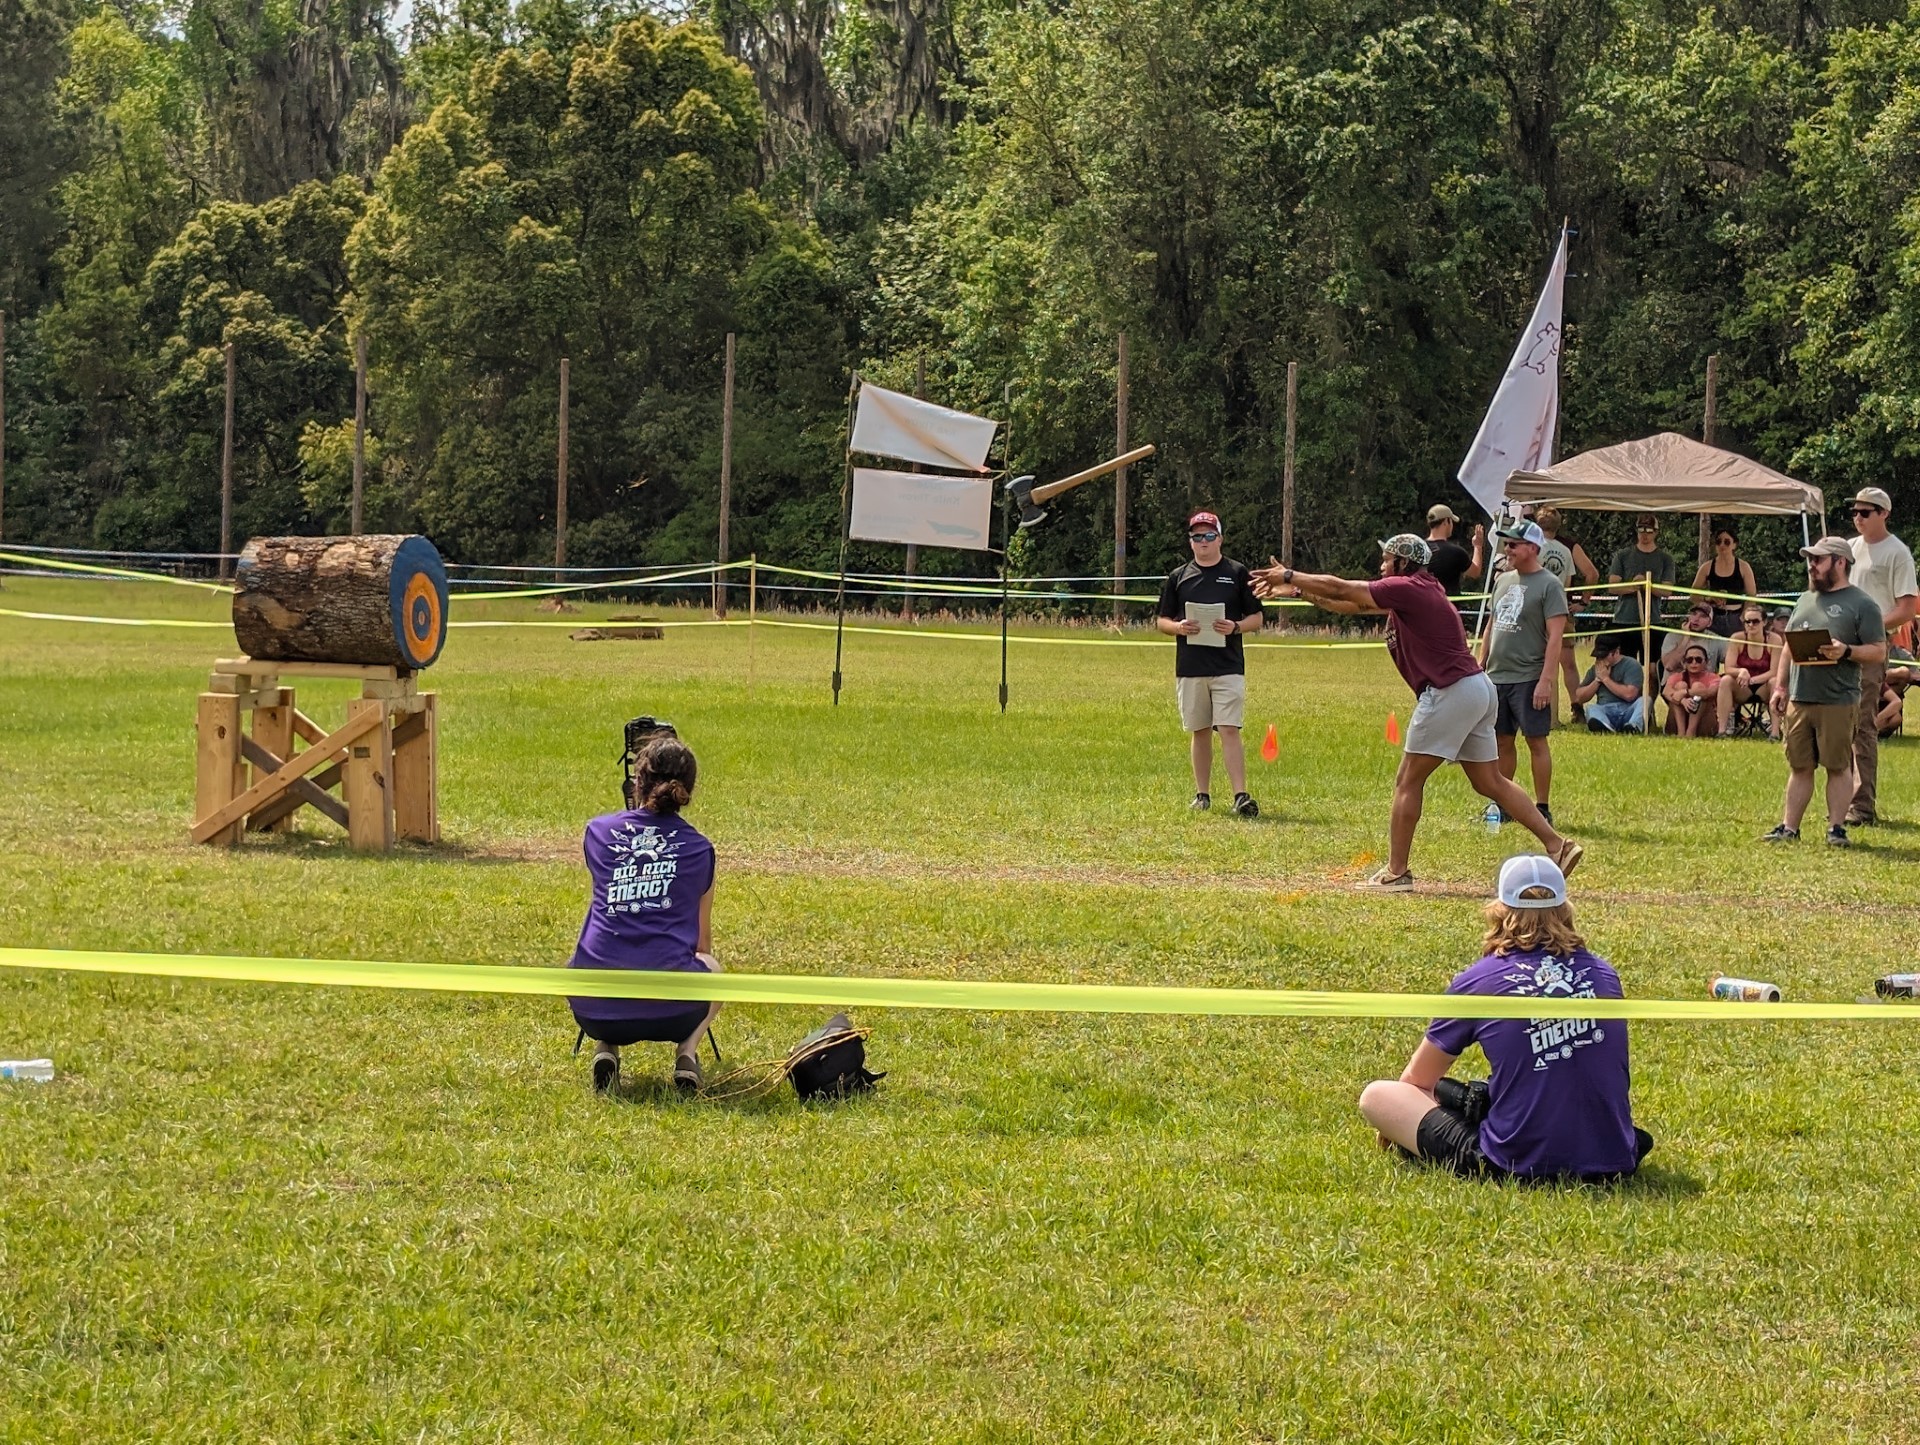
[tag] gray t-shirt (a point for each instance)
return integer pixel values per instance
(1629, 564)
(1558, 561)
(1849, 615)
(1522, 604)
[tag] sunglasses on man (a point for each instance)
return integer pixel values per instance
(1867, 511)
(1203, 536)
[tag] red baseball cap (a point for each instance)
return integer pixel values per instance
(1204, 518)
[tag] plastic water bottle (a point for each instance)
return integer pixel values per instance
(1493, 818)
(1898, 985)
(38, 1071)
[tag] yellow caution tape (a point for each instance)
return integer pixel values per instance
(125, 574)
(113, 621)
(968, 994)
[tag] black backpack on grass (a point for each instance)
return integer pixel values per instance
(831, 1062)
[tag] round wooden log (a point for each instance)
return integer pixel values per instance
(376, 601)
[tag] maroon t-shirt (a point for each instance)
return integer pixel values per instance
(1424, 635)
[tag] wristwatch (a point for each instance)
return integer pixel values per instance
(1286, 575)
(1848, 654)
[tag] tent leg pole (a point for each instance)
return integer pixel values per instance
(1649, 664)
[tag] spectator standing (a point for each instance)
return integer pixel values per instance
(1883, 569)
(1211, 682)
(1521, 653)
(1568, 560)
(1453, 720)
(1643, 559)
(1820, 701)
(1613, 691)
(1725, 571)
(1448, 560)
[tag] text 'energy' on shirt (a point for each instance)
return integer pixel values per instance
(649, 872)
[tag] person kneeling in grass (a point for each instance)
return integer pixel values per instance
(651, 908)
(1556, 1105)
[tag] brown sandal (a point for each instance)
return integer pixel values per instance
(1567, 857)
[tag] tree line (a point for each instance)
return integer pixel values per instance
(988, 191)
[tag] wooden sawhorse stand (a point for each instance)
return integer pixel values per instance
(384, 760)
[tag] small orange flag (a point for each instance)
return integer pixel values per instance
(1393, 728)
(1270, 749)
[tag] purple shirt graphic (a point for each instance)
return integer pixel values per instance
(1558, 1093)
(650, 872)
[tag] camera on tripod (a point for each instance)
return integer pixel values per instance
(640, 731)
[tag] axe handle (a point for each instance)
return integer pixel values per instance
(1054, 489)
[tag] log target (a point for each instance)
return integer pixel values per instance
(373, 600)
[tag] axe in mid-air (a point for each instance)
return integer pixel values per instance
(1023, 491)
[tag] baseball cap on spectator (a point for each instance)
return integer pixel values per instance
(1874, 497)
(1413, 549)
(1521, 532)
(1203, 519)
(1646, 522)
(1528, 872)
(1440, 512)
(1829, 547)
(1704, 607)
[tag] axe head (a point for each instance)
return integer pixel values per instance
(1020, 489)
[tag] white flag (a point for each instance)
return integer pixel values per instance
(1517, 433)
(892, 424)
(919, 507)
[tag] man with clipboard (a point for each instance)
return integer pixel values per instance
(1835, 628)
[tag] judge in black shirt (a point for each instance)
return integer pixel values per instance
(1450, 563)
(1211, 676)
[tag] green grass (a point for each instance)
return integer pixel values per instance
(283, 1214)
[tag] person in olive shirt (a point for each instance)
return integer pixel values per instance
(1820, 700)
(1643, 559)
(1211, 680)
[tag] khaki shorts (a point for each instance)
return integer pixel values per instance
(1211, 702)
(1820, 734)
(1456, 722)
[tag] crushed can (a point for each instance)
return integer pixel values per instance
(1898, 985)
(1744, 990)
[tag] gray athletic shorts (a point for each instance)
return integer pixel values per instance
(1456, 723)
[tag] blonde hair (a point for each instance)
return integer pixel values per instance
(1531, 930)
(1549, 520)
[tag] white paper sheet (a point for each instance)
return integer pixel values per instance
(1206, 614)
(892, 424)
(914, 507)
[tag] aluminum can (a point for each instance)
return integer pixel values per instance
(1898, 985)
(1745, 990)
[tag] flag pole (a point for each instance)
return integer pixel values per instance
(846, 501)
(1006, 536)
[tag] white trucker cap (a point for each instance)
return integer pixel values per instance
(1532, 870)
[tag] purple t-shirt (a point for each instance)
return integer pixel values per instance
(649, 872)
(1558, 1094)
(1425, 637)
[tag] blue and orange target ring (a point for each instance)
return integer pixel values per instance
(418, 595)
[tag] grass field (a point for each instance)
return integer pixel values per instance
(248, 1212)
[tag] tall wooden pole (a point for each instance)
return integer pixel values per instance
(3, 425)
(1120, 479)
(913, 548)
(1286, 468)
(726, 481)
(226, 474)
(359, 428)
(560, 486)
(1707, 429)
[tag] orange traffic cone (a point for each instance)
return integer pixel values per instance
(1393, 728)
(1270, 749)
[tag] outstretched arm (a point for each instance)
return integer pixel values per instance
(1335, 594)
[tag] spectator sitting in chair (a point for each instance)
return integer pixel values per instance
(1693, 694)
(1748, 672)
(1696, 631)
(1901, 674)
(1611, 690)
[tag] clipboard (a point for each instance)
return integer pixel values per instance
(1805, 646)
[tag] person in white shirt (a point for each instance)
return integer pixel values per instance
(1883, 569)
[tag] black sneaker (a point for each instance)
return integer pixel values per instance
(1244, 806)
(1781, 833)
(1201, 802)
(606, 1068)
(1546, 813)
(1859, 820)
(1837, 837)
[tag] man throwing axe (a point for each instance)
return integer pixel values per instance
(1453, 719)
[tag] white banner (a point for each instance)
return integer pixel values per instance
(1516, 435)
(914, 507)
(891, 424)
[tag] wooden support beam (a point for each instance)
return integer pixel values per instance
(366, 672)
(302, 791)
(306, 728)
(272, 732)
(362, 718)
(367, 783)
(416, 762)
(219, 773)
